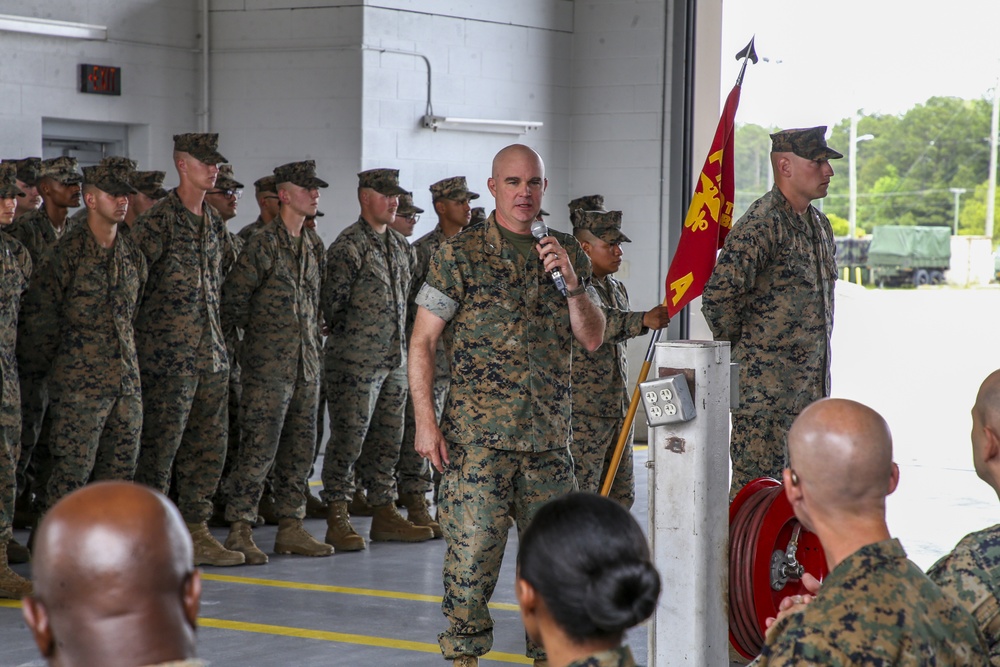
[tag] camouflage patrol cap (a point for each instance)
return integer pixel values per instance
(149, 183)
(203, 146)
(27, 169)
(478, 215)
(455, 188)
(107, 179)
(406, 207)
(265, 184)
(383, 181)
(225, 180)
(302, 174)
(585, 203)
(8, 181)
(124, 165)
(605, 225)
(808, 143)
(62, 169)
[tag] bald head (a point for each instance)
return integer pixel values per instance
(515, 152)
(842, 450)
(113, 574)
(518, 184)
(986, 431)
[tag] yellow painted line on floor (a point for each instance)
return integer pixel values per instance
(640, 448)
(344, 638)
(344, 590)
(10, 604)
(316, 482)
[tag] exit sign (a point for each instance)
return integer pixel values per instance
(100, 80)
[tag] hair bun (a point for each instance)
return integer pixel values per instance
(622, 595)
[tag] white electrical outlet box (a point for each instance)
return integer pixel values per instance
(667, 400)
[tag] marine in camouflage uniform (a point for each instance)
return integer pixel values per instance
(149, 190)
(506, 426)
(15, 273)
(368, 274)
(59, 182)
(91, 290)
(451, 197)
(273, 293)
(182, 350)
(266, 193)
(600, 378)
(27, 181)
(771, 295)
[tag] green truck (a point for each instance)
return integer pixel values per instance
(904, 255)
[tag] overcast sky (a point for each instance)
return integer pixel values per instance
(841, 55)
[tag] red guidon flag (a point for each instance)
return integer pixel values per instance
(709, 217)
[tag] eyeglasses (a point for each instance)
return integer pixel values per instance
(414, 218)
(227, 193)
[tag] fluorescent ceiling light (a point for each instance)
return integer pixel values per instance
(52, 28)
(480, 124)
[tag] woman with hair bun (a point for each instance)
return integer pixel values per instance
(584, 576)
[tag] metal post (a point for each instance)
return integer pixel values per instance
(958, 192)
(689, 511)
(991, 188)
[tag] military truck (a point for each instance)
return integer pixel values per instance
(909, 255)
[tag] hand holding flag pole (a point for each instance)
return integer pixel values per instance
(709, 218)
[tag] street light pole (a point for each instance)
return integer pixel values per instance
(958, 192)
(852, 175)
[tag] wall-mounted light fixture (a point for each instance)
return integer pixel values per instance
(480, 124)
(52, 28)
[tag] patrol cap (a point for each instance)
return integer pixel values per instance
(8, 181)
(27, 169)
(302, 174)
(455, 188)
(383, 181)
(203, 146)
(605, 225)
(406, 207)
(808, 143)
(265, 184)
(585, 203)
(62, 169)
(149, 183)
(225, 180)
(124, 165)
(107, 179)
(478, 215)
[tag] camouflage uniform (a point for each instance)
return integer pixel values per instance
(265, 184)
(600, 378)
(971, 575)
(182, 353)
(273, 292)
(91, 295)
(507, 419)
(616, 657)
(15, 272)
(364, 302)
(876, 608)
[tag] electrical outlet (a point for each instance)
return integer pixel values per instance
(667, 400)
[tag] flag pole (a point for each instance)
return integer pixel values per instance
(747, 53)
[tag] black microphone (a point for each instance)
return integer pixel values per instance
(539, 231)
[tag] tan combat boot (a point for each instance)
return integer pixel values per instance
(241, 539)
(465, 661)
(12, 585)
(418, 513)
(541, 662)
(208, 551)
(316, 508)
(359, 504)
(340, 534)
(17, 552)
(388, 525)
(293, 538)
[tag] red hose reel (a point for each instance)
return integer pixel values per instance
(769, 550)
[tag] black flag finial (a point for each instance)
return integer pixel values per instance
(747, 53)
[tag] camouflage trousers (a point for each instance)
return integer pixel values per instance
(184, 431)
(480, 488)
(92, 439)
(757, 446)
(594, 440)
(366, 428)
(232, 442)
(34, 462)
(278, 423)
(10, 443)
(414, 475)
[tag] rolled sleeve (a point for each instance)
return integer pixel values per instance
(437, 302)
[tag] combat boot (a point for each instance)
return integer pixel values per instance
(17, 552)
(12, 585)
(208, 551)
(465, 661)
(316, 508)
(265, 509)
(541, 662)
(340, 534)
(241, 539)
(292, 538)
(418, 513)
(359, 504)
(388, 525)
